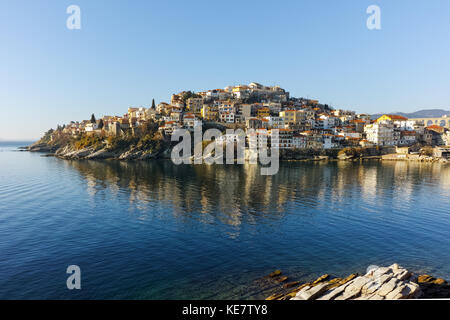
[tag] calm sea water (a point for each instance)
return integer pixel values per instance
(153, 230)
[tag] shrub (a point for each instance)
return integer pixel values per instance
(427, 151)
(85, 141)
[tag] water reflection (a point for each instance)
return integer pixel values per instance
(234, 195)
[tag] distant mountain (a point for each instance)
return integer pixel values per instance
(427, 113)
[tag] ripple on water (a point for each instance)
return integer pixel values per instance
(156, 231)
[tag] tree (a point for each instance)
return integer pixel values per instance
(189, 94)
(101, 124)
(93, 119)
(153, 104)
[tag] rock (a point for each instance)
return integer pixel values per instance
(333, 283)
(333, 293)
(357, 285)
(321, 279)
(388, 287)
(374, 285)
(275, 296)
(402, 274)
(429, 279)
(390, 283)
(403, 291)
(310, 293)
(291, 284)
(291, 295)
(298, 294)
(378, 272)
(349, 278)
(100, 154)
(439, 281)
(296, 290)
(425, 279)
(275, 274)
(394, 267)
(282, 279)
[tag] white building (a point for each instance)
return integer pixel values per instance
(299, 141)
(381, 133)
(90, 127)
(227, 117)
(275, 122)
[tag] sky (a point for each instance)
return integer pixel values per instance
(129, 52)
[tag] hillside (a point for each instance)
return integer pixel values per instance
(426, 113)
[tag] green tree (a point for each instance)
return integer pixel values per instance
(101, 124)
(93, 119)
(153, 104)
(189, 94)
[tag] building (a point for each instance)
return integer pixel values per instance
(380, 133)
(284, 141)
(90, 127)
(275, 122)
(437, 134)
(227, 117)
(288, 116)
(299, 141)
(210, 112)
(253, 123)
(263, 112)
(407, 138)
(195, 105)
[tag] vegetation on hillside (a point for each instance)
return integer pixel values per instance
(145, 138)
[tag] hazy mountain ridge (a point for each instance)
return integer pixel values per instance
(426, 113)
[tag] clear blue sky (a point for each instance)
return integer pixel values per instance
(128, 52)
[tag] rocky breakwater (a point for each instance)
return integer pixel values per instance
(379, 283)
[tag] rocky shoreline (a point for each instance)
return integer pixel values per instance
(91, 153)
(379, 283)
(68, 152)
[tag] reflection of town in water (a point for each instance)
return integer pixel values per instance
(239, 194)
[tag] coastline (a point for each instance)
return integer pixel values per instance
(378, 283)
(92, 153)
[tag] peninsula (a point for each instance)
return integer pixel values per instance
(307, 129)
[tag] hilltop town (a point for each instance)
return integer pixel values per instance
(303, 124)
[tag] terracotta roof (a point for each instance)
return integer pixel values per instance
(396, 117)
